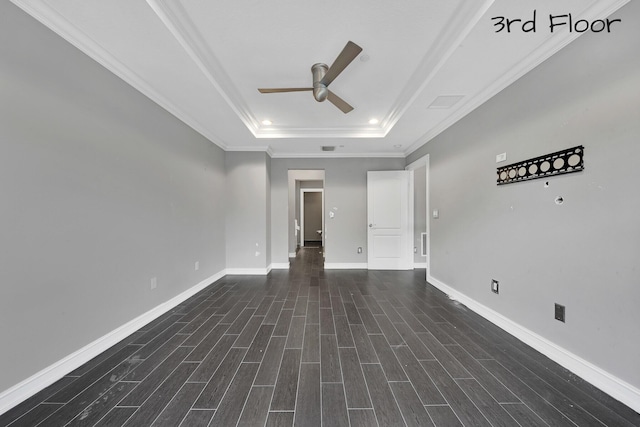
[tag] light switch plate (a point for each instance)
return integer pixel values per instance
(502, 157)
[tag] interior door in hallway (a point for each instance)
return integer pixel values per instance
(388, 237)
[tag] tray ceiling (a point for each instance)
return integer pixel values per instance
(424, 65)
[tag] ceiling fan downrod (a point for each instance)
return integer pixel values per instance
(320, 91)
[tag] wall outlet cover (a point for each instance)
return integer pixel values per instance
(559, 312)
(495, 286)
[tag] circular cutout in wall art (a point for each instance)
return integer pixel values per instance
(574, 160)
(545, 166)
(522, 171)
(512, 173)
(503, 175)
(558, 163)
(533, 169)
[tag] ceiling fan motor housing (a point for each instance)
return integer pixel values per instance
(320, 91)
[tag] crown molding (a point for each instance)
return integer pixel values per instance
(175, 18)
(463, 20)
(297, 132)
(53, 20)
(334, 155)
(550, 47)
(263, 149)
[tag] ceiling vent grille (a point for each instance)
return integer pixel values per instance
(328, 148)
(446, 101)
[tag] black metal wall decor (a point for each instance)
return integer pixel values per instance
(558, 163)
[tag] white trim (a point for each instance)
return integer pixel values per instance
(411, 225)
(279, 266)
(39, 381)
(417, 164)
(248, 271)
(419, 265)
(337, 155)
(424, 161)
(345, 265)
(262, 148)
(428, 210)
(608, 383)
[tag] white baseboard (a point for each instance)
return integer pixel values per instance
(608, 383)
(419, 265)
(27, 388)
(345, 265)
(248, 271)
(280, 266)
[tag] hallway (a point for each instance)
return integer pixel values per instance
(311, 347)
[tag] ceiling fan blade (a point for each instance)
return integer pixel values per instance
(339, 102)
(285, 89)
(348, 54)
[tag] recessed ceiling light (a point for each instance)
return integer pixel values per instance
(267, 122)
(373, 121)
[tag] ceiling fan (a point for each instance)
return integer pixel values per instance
(323, 76)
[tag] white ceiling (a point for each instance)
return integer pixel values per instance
(203, 61)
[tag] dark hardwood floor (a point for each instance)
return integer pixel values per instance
(309, 347)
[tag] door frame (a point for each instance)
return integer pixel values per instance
(422, 161)
(302, 194)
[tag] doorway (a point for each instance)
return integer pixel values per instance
(311, 217)
(299, 179)
(421, 213)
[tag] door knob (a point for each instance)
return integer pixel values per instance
(370, 225)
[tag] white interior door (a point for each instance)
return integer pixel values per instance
(389, 236)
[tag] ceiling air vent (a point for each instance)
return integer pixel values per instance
(446, 101)
(328, 148)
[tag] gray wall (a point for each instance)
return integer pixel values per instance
(247, 203)
(345, 188)
(419, 211)
(101, 190)
(583, 254)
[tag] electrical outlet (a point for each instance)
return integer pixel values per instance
(197, 265)
(495, 286)
(359, 249)
(154, 283)
(559, 312)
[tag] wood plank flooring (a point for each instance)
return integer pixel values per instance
(309, 347)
